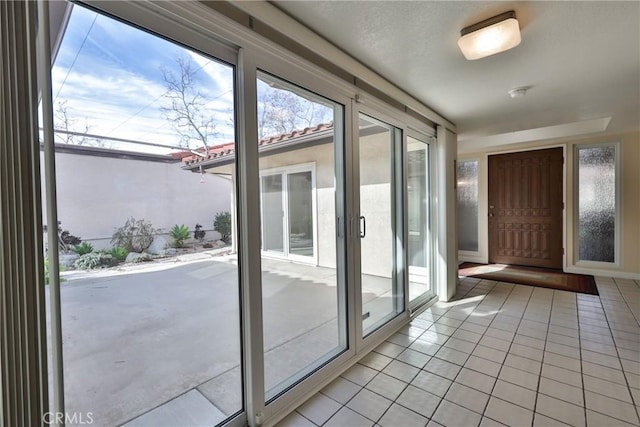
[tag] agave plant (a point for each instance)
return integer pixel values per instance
(179, 233)
(83, 248)
(119, 253)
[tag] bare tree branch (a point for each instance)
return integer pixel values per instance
(63, 121)
(186, 106)
(281, 111)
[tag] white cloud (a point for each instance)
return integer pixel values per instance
(122, 97)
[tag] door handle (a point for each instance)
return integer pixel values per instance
(363, 231)
(490, 214)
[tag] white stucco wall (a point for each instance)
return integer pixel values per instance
(376, 205)
(96, 195)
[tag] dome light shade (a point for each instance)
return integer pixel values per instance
(490, 36)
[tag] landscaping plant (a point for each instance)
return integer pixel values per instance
(134, 236)
(119, 253)
(66, 240)
(143, 257)
(94, 260)
(222, 224)
(199, 233)
(179, 233)
(83, 248)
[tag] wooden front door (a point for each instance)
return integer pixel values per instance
(525, 208)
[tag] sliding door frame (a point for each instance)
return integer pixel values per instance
(424, 136)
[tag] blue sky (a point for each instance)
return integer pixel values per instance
(109, 75)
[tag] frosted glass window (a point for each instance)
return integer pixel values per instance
(467, 175)
(597, 203)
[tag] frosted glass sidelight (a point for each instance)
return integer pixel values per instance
(467, 175)
(597, 203)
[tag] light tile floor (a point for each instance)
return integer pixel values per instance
(499, 354)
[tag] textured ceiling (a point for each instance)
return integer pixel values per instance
(581, 59)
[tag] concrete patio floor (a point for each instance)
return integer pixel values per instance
(146, 345)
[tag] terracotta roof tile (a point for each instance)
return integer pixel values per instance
(228, 149)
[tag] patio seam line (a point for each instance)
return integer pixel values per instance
(162, 404)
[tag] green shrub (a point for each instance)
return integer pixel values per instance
(118, 253)
(83, 248)
(134, 236)
(179, 233)
(94, 260)
(222, 224)
(143, 257)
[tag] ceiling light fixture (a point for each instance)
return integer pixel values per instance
(491, 36)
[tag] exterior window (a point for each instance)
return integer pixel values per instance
(597, 202)
(467, 175)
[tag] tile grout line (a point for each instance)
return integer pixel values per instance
(584, 393)
(482, 415)
(544, 351)
(554, 304)
(624, 298)
(626, 380)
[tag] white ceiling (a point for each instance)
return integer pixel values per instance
(581, 60)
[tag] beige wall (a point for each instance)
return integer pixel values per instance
(96, 195)
(322, 157)
(375, 196)
(629, 264)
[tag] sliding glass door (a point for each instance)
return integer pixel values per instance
(228, 257)
(288, 212)
(149, 293)
(380, 225)
(303, 286)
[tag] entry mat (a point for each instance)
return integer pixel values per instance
(533, 276)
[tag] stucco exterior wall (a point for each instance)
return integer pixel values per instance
(323, 158)
(96, 195)
(375, 193)
(376, 205)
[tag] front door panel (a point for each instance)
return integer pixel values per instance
(525, 208)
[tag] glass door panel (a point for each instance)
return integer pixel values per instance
(300, 192)
(272, 215)
(304, 320)
(381, 295)
(418, 194)
(143, 342)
